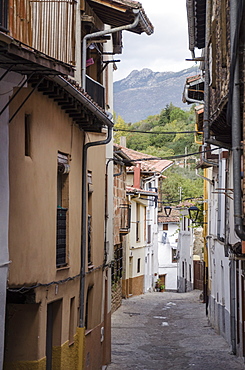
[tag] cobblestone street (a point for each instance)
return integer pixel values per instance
(167, 331)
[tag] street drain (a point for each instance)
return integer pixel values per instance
(132, 313)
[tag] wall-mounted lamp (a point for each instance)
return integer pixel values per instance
(193, 213)
(167, 210)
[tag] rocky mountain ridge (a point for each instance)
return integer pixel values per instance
(144, 93)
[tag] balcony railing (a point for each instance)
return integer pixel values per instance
(96, 91)
(47, 26)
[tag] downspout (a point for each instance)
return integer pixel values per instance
(236, 128)
(236, 151)
(103, 33)
(206, 133)
(84, 218)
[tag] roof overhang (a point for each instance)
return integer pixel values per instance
(25, 60)
(118, 13)
(196, 17)
(72, 99)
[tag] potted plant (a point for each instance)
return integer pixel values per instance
(157, 285)
(162, 288)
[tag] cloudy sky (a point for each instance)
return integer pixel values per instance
(166, 49)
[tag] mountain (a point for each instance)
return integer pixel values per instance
(145, 93)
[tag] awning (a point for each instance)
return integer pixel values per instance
(196, 17)
(117, 13)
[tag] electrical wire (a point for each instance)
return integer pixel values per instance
(168, 157)
(24, 289)
(157, 132)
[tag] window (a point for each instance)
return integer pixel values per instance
(62, 210)
(138, 265)
(149, 234)
(89, 307)
(165, 226)
(117, 264)
(90, 223)
(137, 222)
(183, 269)
(27, 135)
(90, 240)
(174, 255)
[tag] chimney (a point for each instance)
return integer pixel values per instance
(137, 176)
(123, 141)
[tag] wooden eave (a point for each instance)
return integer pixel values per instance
(118, 13)
(25, 60)
(71, 98)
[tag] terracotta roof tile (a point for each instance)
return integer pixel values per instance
(156, 165)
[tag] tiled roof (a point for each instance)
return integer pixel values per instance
(156, 165)
(174, 216)
(131, 189)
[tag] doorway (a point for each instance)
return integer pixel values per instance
(53, 330)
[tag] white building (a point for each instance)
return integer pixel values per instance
(185, 273)
(168, 230)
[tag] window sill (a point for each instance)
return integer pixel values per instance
(62, 268)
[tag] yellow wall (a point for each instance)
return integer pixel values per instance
(32, 233)
(33, 192)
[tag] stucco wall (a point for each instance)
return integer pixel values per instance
(33, 191)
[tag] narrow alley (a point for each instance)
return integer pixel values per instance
(167, 331)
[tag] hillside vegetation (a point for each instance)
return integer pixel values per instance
(181, 182)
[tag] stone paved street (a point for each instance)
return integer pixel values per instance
(167, 331)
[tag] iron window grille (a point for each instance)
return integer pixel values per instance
(90, 240)
(117, 264)
(61, 237)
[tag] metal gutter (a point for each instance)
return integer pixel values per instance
(103, 33)
(236, 127)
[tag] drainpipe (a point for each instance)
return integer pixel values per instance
(206, 84)
(236, 150)
(103, 33)
(84, 218)
(236, 130)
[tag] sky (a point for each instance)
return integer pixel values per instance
(166, 49)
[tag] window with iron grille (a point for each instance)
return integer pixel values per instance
(89, 240)
(117, 263)
(138, 222)
(62, 210)
(3, 15)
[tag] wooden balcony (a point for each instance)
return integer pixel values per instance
(46, 26)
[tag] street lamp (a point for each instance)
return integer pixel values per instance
(167, 210)
(193, 213)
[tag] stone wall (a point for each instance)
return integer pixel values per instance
(116, 295)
